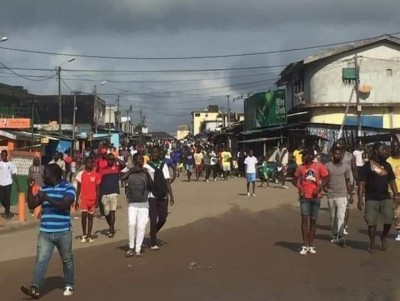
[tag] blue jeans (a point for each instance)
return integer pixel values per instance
(45, 248)
(310, 207)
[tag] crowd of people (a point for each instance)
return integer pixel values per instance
(145, 174)
(366, 175)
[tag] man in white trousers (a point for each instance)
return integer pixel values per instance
(139, 185)
(339, 192)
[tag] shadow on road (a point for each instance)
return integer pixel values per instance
(292, 246)
(50, 284)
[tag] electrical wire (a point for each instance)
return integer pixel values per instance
(25, 77)
(185, 57)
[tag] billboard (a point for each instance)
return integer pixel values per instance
(15, 123)
(265, 109)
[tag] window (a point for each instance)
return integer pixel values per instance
(389, 72)
(196, 114)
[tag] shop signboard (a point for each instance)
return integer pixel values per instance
(265, 109)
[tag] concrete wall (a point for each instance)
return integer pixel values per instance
(324, 84)
(203, 116)
(391, 116)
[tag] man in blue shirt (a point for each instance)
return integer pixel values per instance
(56, 197)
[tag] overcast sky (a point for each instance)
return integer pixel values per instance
(176, 28)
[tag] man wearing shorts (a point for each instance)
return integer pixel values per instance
(375, 177)
(198, 160)
(250, 167)
(88, 191)
(109, 190)
(226, 158)
(394, 161)
(309, 178)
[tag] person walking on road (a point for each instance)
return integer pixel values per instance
(250, 166)
(339, 193)
(394, 161)
(375, 178)
(309, 178)
(158, 198)
(56, 197)
(88, 192)
(109, 190)
(198, 160)
(8, 175)
(283, 161)
(137, 194)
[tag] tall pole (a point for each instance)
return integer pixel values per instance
(59, 101)
(229, 111)
(95, 109)
(32, 120)
(109, 120)
(356, 88)
(118, 119)
(74, 120)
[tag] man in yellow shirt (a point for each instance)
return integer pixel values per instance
(297, 155)
(394, 161)
(226, 158)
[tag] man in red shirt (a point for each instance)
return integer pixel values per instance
(89, 191)
(309, 178)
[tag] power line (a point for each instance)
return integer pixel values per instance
(23, 76)
(183, 57)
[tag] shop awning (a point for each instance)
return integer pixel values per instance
(261, 140)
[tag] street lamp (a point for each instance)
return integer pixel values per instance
(59, 95)
(3, 39)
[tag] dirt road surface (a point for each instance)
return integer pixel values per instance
(221, 245)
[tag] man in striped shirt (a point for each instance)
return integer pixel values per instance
(56, 197)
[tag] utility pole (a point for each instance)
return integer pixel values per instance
(32, 121)
(109, 119)
(229, 111)
(118, 119)
(59, 100)
(95, 108)
(74, 122)
(356, 88)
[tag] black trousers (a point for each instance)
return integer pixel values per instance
(5, 198)
(158, 212)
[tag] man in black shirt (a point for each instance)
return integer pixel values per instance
(375, 177)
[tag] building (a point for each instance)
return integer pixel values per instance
(212, 120)
(182, 132)
(211, 114)
(363, 75)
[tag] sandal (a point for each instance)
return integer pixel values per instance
(129, 253)
(32, 292)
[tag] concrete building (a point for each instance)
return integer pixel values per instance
(323, 85)
(182, 132)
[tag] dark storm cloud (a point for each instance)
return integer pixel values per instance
(126, 16)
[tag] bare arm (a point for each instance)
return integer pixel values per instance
(33, 201)
(361, 190)
(64, 204)
(349, 190)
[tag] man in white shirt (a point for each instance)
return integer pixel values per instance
(8, 174)
(58, 159)
(250, 163)
(283, 161)
(158, 198)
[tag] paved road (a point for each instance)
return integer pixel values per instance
(221, 245)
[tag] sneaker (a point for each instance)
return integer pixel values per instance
(90, 240)
(312, 250)
(129, 253)
(345, 231)
(155, 248)
(68, 291)
(253, 194)
(83, 239)
(397, 237)
(304, 250)
(248, 194)
(285, 187)
(334, 239)
(215, 180)
(138, 254)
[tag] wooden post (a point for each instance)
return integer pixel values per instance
(21, 207)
